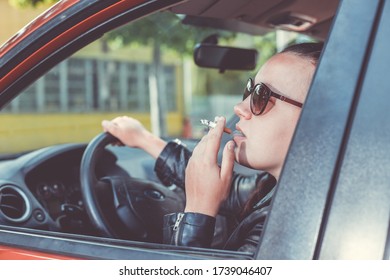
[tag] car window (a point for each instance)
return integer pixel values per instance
(114, 76)
(145, 70)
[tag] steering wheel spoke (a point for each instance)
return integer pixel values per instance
(102, 187)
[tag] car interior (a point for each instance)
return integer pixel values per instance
(88, 187)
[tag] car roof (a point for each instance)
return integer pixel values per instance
(311, 17)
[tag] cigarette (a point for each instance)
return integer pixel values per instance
(211, 124)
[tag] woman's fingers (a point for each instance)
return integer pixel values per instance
(213, 139)
(208, 146)
(227, 162)
(109, 126)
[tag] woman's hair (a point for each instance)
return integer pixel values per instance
(312, 52)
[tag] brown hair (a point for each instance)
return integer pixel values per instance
(311, 51)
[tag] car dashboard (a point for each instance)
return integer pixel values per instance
(55, 184)
(41, 189)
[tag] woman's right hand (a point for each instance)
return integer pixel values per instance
(208, 184)
(128, 130)
(133, 134)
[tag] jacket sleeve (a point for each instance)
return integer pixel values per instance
(188, 229)
(171, 164)
(196, 230)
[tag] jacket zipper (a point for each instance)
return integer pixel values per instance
(176, 234)
(178, 221)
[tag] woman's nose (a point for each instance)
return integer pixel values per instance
(242, 109)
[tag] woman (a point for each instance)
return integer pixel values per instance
(268, 116)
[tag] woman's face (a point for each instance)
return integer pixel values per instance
(265, 138)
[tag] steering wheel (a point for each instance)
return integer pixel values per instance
(120, 206)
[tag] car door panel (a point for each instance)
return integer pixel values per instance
(298, 217)
(360, 209)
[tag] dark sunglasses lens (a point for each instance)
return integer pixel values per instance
(259, 99)
(248, 89)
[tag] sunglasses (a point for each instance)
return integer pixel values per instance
(260, 95)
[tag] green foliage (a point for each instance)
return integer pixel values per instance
(173, 34)
(30, 3)
(181, 38)
(266, 45)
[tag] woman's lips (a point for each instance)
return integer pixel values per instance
(238, 136)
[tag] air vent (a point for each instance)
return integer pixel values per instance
(14, 204)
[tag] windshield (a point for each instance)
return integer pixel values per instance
(145, 70)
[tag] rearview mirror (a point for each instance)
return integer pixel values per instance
(225, 58)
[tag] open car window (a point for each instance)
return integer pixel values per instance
(147, 73)
(144, 69)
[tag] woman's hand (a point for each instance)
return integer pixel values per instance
(208, 185)
(133, 134)
(128, 130)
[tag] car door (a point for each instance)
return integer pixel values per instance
(333, 199)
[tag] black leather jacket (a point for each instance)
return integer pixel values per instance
(197, 230)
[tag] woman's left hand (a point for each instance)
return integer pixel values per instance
(207, 184)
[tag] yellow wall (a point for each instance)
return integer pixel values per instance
(27, 131)
(12, 19)
(19, 132)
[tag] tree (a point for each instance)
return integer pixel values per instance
(176, 36)
(143, 32)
